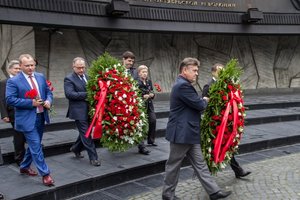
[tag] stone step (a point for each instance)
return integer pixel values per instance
(58, 142)
(60, 122)
(75, 176)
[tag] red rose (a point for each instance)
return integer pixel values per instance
(215, 117)
(50, 85)
(225, 98)
(32, 94)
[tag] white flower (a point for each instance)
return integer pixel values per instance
(115, 66)
(124, 96)
(239, 113)
(130, 108)
(209, 149)
(115, 118)
(222, 165)
(119, 64)
(120, 98)
(116, 92)
(240, 129)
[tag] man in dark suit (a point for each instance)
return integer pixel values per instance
(183, 133)
(75, 92)
(128, 59)
(31, 114)
(8, 112)
(238, 170)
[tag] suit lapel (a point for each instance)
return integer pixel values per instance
(24, 81)
(78, 80)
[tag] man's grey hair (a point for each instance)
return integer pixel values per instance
(11, 64)
(78, 58)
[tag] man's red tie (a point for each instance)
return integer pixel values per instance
(40, 107)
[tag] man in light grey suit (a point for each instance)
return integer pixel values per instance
(183, 133)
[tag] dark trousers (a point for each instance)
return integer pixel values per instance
(235, 165)
(1, 157)
(84, 143)
(152, 126)
(19, 145)
(151, 131)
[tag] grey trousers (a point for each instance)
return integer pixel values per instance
(173, 164)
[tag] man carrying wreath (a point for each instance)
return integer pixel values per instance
(215, 70)
(183, 133)
(75, 92)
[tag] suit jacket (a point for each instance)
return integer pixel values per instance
(6, 111)
(185, 113)
(75, 92)
(206, 88)
(146, 89)
(25, 113)
(134, 73)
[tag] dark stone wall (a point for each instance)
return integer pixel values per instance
(268, 61)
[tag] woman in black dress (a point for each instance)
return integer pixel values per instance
(146, 88)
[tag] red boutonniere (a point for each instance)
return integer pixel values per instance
(50, 85)
(157, 87)
(31, 94)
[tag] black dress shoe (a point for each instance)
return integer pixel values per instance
(144, 151)
(152, 144)
(1, 196)
(242, 174)
(77, 154)
(219, 195)
(168, 198)
(95, 163)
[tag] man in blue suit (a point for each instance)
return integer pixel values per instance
(183, 133)
(75, 91)
(31, 114)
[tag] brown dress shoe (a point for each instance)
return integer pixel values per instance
(48, 181)
(29, 172)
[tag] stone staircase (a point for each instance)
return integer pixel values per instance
(272, 120)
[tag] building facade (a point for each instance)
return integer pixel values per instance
(263, 36)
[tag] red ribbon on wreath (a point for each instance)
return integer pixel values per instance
(219, 154)
(97, 119)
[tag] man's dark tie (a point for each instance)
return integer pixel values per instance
(40, 107)
(82, 79)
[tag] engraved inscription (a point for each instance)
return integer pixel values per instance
(194, 3)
